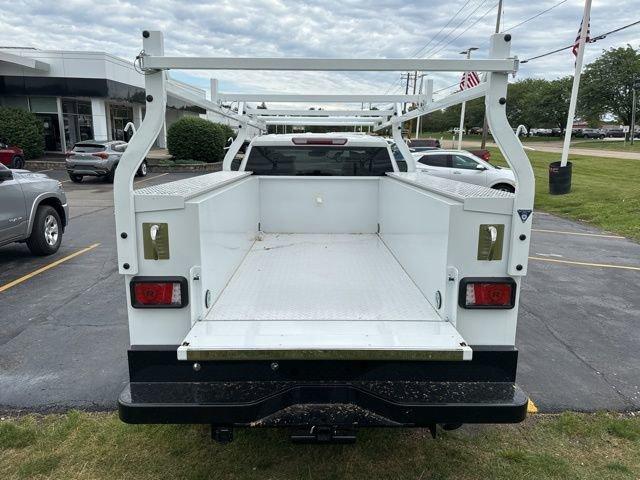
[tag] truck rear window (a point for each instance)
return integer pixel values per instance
(319, 161)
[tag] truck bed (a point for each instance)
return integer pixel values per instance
(317, 296)
(321, 277)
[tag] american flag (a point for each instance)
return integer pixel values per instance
(468, 80)
(576, 45)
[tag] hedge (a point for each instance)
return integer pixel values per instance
(195, 138)
(23, 129)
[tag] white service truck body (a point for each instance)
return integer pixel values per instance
(315, 284)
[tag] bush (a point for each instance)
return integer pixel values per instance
(228, 132)
(194, 138)
(23, 129)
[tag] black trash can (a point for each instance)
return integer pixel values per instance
(559, 178)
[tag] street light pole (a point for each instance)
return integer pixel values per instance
(464, 104)
(636, 85)
(485, 126)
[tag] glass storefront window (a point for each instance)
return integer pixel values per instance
(78, 122)
(120, 116)
(15, 102)
(43, 104)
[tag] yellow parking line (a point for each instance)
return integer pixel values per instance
(576, 233)
(151, 178)
(7, 286)
(531, 407)
(586, 264)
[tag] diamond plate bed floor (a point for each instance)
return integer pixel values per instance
(321, 277)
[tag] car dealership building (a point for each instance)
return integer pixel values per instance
(87, 95)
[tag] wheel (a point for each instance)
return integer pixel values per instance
(17, 162)
(451, 426)
(142, 171)
(75, 178)
(109, 176)
(46, 235)
(505, 187)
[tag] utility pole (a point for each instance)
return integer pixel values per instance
(466, 52)
(418, 118)
(636, 85)
(406, 91)
(485, 126)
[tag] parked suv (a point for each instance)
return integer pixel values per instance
(92, 158)
(34, 210)
(11, 156)
(592, 133)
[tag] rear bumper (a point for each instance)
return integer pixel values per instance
(297, 405)
(302, 393)
(88, 170)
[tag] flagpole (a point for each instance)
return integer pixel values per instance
(576, 83)
(465, 84)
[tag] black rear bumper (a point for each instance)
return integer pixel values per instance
(299, 393)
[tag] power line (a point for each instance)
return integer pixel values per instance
(391, 85)
(439, 32)
(535, 16)
(454, 29)
(592, 40)
(467, 29)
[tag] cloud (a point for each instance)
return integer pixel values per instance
(329, 28)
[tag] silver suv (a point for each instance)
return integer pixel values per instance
(92, 158)
(34, 210)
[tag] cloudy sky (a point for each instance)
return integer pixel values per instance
(327, 28)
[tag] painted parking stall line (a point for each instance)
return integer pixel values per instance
(582, 234)
(585, 264)
(151, 178)
(49, 266)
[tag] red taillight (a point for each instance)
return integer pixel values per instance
(487, 293)
(159, 292)
(102, 155)
(318, 141)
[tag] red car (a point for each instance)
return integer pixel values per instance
(12, 157)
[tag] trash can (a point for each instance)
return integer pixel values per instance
(559, 178)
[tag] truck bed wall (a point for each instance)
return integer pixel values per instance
(414, 224)
(426, 232)
(319, 204)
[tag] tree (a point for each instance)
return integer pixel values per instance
(553, 103)
(606, 86)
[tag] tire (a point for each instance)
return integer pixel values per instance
(504, 187)
(585, 136)
(17, 162)
(142, 171)
(75, 178)
(46, 234)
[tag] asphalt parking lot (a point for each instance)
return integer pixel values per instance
(63, 329)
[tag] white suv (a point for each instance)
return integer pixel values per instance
(464, 167)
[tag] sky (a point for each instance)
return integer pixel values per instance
(328, 28)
